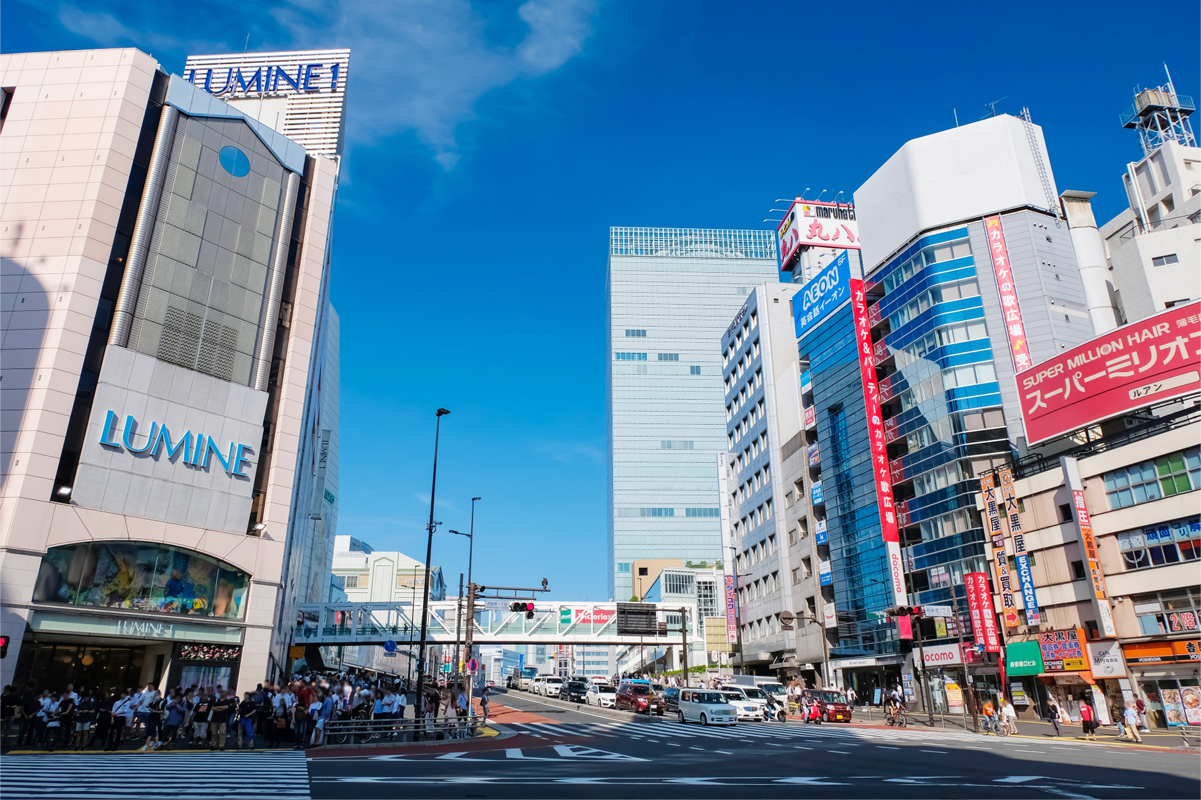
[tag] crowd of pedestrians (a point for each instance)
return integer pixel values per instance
(292, 714)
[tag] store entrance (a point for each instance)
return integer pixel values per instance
(54, 665)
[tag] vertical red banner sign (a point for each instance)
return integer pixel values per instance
(875, 433)
(1016, 331)
(979, 603)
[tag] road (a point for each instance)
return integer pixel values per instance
(561, 752)
(558, 752)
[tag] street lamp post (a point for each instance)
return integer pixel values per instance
(429, 554)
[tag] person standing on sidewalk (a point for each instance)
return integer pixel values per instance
(248, 713)
(1117, 713)
(1054, 718)
(116, 726)
(1087, 719)
(1141, 708)
(1009, 714)
(219, 720)
(1131, 715)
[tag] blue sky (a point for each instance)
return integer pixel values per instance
(492, 145)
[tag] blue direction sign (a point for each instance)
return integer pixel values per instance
(389, 646)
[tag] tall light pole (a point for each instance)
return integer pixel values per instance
(429, 554)
(470, 559)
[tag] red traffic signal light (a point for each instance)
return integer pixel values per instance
(3, 646)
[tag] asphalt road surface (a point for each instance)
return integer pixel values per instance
(566, 753)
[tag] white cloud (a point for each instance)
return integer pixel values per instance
(422, 65)
(106, 30)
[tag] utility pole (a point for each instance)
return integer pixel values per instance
(429, 547)
(458, 624)
(967, 680)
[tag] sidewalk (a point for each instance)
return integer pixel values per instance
(1175, 738)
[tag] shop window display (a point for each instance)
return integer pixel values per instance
(141, 577)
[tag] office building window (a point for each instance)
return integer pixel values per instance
(636, 333)
(352, 581)
(675, 444)
(1151, 480)
(656, 512)
(1174, 611)
(669, 356)
(702, 512)
(623, 566)
(1167, 543)
(694, 370)
(631, 356)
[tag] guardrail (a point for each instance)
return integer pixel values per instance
(359, 732)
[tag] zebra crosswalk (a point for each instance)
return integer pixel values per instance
(760, 733)
(179, 776)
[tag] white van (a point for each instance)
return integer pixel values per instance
(706, 706)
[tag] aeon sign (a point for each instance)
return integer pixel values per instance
(271, 79)
(198, 450)
(828, 290)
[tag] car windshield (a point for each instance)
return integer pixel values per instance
(577, 686)
(732, 696)
(710, 697)
(606, 689)
(554, 680)
(754, 693)
(637, 689)
(658, 687)
(833, 697)
(773, 688)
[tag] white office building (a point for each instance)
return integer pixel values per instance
(165, 293)
(671, 293)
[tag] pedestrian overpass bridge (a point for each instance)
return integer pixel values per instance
(553, 623)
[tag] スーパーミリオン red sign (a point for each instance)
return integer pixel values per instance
(1133, 366)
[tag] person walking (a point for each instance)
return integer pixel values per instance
(1130, 712)
(1117, 713)
(851, 696)
(1141, 708)
(1053, 716)
(1087, 719)
(1010, 715)
(484, 703)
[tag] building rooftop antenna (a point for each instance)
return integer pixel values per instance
(1160, 115)
(992, 107)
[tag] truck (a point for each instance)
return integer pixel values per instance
(765, 682)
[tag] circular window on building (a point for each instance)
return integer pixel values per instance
(142, 577)
(234, 161)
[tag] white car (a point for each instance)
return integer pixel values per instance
(551, 685)
(753, 695)
(708, 707)
(535, 686)
(602, 695)
(747, 710)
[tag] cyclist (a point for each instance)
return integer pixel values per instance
(896, 703)
(988, 712)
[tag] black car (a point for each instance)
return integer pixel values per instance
(671, 696)
(574, 691)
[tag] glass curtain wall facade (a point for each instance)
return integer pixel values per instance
(847, 495)
(942, 402)
(671, 295)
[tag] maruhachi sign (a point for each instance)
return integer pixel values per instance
(1136, 365)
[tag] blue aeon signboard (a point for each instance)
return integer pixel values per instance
(830, 289)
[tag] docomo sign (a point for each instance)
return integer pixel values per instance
(271, 79)
(817, 225)
(942, 655)
(196, 453)
(875, 431)
(1146, 362)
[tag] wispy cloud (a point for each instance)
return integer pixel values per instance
(105, 29)
(565, 452)
(415, 65)
(422, 65)
(424, 499)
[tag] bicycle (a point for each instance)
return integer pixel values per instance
(897, 719)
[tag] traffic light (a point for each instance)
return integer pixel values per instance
(3, 646)
(523, 605)
(905, 611)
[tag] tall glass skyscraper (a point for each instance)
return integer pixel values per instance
(671, 294)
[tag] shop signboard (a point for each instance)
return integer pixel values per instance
(1017, 694)
(907, 682)
(1014, 327)
(731, 610)
(1173, 706)
(940, 627)
(825, 576)
(1162, 652)
(594, 616)
(980, 605)
(1145, 362)
(815, 493)
(829, 616)
(942, 655)
(1105, 659)
(936, 611)
(875, 431)
(1190, 696)
(810, 418)
(134, 628)
(1063, 651)
(994, 507)
(829, 289)
(820, 534)
(1021, 558)
(809, 224)
(815, 455)
(1088, 544)
(1023, 658)
(954, 696)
